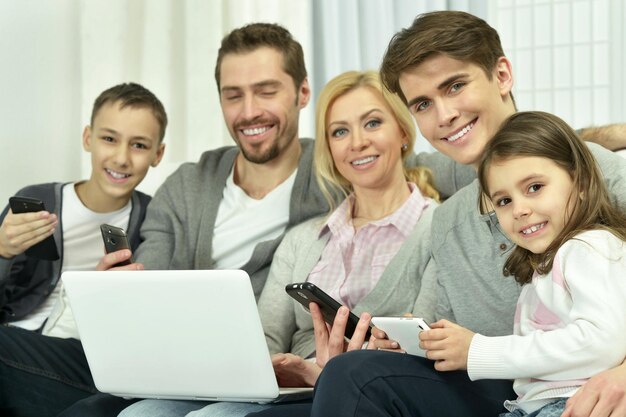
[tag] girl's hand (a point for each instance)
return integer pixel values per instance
(447, 344)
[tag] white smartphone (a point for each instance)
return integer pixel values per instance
(404, 330)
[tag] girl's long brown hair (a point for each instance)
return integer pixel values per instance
(539, 134)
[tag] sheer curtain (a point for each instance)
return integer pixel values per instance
(171, 47)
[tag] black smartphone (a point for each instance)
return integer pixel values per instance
(115, 239)
(47, 248)
(306, 292)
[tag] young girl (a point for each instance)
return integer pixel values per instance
(570, 322)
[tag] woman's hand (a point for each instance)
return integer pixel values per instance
(380, 341)
(330, 341)
(293, 371)
(447, 344)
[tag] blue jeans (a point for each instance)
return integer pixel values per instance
(368, 383)
(39, 375)
(553, 409)
(173, 408)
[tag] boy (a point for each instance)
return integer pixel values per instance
(124, 139)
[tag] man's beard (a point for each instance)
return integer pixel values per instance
(261, 158)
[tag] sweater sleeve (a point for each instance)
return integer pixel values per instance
(593, 333)
(163, 228)
(426, 302)
(276, 308)
(613, 167)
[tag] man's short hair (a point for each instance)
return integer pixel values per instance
(256, 35)
(458, 35)
(132, 95)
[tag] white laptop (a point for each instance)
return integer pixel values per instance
(174, 334)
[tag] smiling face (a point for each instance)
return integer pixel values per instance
(260, 103)
(457, 107)
(531, 196)
(124, 144)
(365, 140)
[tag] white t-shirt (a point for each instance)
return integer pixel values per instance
(82, 249)
(242, 222)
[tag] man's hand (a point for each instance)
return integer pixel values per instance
(108, 262)
(19, 232)
(447, 344)
(612, 137)
(293, 371)
(602, 396)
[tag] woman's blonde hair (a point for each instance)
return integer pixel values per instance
(331, 182)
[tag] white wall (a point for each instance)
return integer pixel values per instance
(39, 95)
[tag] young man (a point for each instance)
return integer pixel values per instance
(450, 69)
(39, 347)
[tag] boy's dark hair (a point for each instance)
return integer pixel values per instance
(132, 95)
(257, 35)
(539, 134)
(458, 35)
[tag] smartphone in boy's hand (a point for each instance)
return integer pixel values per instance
(115, 239)
(47, 248)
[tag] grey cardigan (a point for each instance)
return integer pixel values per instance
(401, 289)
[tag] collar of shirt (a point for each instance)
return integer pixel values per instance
(404, 218)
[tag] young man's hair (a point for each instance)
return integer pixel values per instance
(539, 134)
(257, 35)
(331, 181)
(135, 96)
(455, 34)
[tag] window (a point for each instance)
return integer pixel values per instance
(567, 56)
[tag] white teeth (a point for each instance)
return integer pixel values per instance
(364, 160)
(461, 133)
(255, 131)
(117, 175)
(532, 229)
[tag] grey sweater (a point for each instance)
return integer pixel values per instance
(401, 288)
(469, 250)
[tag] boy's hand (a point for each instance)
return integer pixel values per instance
(108, 262)
(447, 344)
(19, 232)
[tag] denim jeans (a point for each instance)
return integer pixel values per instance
(179, 408)
(553, 409)
(39, 375)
